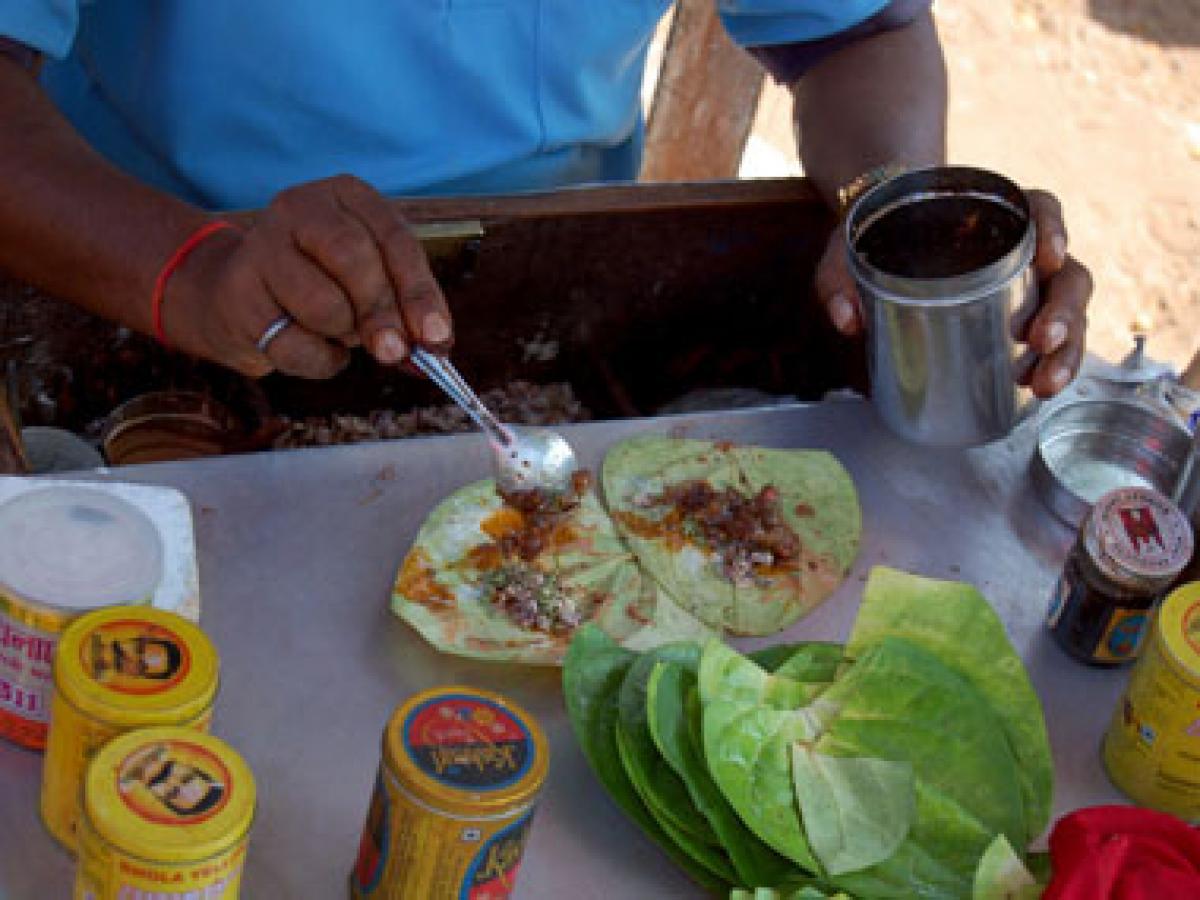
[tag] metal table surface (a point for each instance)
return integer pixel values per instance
(297, 552)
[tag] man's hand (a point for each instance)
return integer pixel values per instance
(335, 257)
(1057, 332)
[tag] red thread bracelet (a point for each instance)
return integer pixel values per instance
(194, 240)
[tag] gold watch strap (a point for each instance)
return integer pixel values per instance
(855, 188)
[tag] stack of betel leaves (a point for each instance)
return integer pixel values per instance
(910, 762)
(694, 538)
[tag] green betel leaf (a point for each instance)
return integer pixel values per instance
(747, 749)
(819, 502)
(812, 663)
(808, 892)
(710, 858)
(773, 656)
(750, 719)
(442, 588)
(1002, 876)
(856, 812)
(655, 780)
(727, 675)
(900, 702)
(816, 500)
(1040, 866)
(593, 671)
(897, 702)
(643, 467)
(673, 705)
(670, 624)
(955, 622)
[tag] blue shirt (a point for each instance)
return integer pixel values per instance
(226, 102)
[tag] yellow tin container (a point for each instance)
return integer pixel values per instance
(166, 814)
(115, 670)
(454, 799)
(65, 551)
(1152, 748)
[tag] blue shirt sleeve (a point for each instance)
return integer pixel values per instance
(755, 22)
(47, 26)
(788, 62)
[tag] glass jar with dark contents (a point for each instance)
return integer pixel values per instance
(1131, 546)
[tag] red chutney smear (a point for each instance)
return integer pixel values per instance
(749, 533)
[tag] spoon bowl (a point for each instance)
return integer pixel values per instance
(537, 458)
(526, 458)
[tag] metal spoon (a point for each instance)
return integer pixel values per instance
(525, 457)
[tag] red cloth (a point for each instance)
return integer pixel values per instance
(1123, 853)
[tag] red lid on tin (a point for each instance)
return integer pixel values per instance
(1138, 538)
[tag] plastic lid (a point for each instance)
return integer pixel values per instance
(466, 751)
(135, 666)
(169, 794)
(1178, 629)
(1139, 538)
(78, 548)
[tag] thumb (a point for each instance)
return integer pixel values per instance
(836, 290)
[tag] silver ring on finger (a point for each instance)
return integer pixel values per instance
(273, 331)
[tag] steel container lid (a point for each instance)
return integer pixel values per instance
(69, 549)
(1177, 631)
(169, 795)
(1138, 538)
(135, 665)
(466, 751)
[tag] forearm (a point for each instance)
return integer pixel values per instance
(880, 100)
(70, 222)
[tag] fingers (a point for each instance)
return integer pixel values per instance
(297, 351)
(301, 286)
(1059, 331)
(250, 307)
(350, 260)
(835, 287)
(422, 307)
(1051, 252)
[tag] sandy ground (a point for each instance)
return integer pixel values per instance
(1098, 101)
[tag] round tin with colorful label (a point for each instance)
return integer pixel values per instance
(115, 670)
(453, 801)
(1130, 547)
(166, 814)
(1152, 748)
(66, 550)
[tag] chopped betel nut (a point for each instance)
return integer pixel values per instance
(748, 533)
(520, 403)
(535, 599)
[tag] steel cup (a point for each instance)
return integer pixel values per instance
(943, 262)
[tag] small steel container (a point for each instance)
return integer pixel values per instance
(166, 813)
(1152, 749)
(943, 261)
(64, 551)
(1131, 547)
(115, 670)
(454, 798)
(1087, 448)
